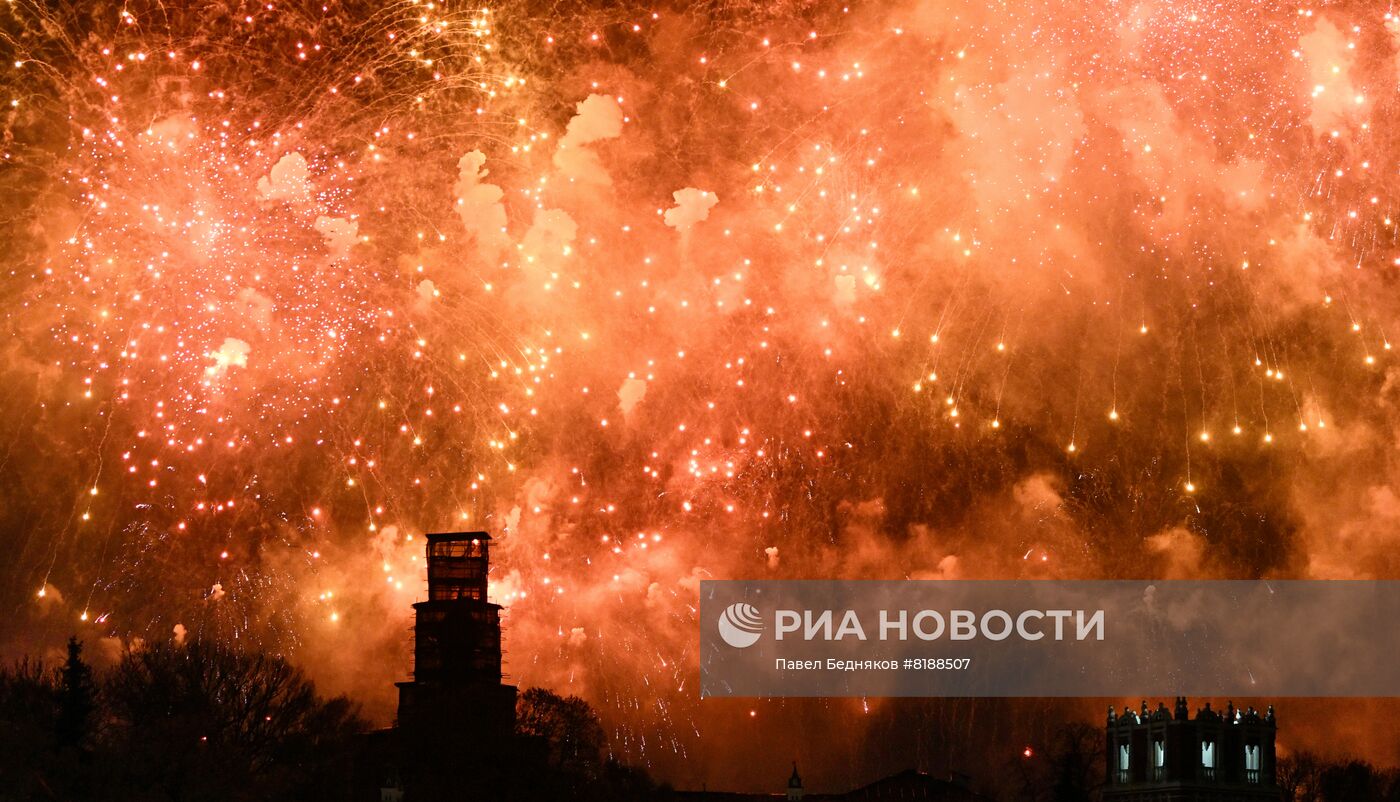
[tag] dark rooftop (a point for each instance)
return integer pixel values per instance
(439, 537)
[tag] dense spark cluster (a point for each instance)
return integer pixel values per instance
(661, 294)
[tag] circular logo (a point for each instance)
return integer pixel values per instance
(740, 625)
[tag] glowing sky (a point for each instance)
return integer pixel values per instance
(664, 293)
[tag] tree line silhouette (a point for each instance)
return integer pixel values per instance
(202, 721)
(171, 722)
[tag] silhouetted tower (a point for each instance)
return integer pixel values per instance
(794, 789)
(456, 687)
(1168, 756)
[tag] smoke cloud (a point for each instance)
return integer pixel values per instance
(599, 118)
(232, 354)
(340, 234)
(692, 207)
(479, 205)
(289, 181)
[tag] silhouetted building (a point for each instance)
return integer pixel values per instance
(1169, 756)
(457, 645)
(794, 791)
(455, 732)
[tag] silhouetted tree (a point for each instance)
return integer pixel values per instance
(208, 722)
(1068, 769)
(76, 700)
(28, 716)
(1076, 761)
(1352, 781)
(1305, 777)
(1299, 777)
(574, 742)
(567, 724)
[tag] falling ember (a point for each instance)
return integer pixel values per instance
(277, 310)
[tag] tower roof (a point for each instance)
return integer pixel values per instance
(441, 537)
(795, 781)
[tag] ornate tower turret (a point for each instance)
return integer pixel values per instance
(1208, 758)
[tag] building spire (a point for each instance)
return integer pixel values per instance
(794, 788)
